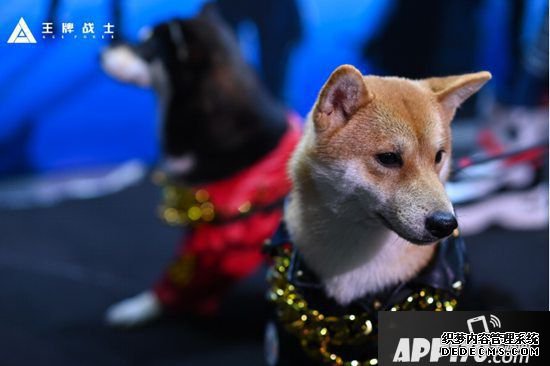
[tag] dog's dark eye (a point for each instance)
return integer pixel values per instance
(390, 160)
(439, 156)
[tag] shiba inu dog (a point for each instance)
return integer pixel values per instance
(368, 204)
(225, 144)
(368, 198)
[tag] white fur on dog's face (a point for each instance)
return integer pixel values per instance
(400, 198)
(354, 215)
(125, 65)
(357, 120)
(346, 190)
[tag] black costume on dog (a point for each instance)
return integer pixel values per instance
(312, 329)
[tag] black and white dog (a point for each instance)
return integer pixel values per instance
(216, 117)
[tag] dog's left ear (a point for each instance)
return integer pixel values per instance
(341, 97)
(452, 91)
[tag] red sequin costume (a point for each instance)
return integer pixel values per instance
(242, 211)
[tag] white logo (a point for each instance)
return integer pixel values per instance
(482, 321)
(21, 33)
(495, 322)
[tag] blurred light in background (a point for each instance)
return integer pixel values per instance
(59, 111)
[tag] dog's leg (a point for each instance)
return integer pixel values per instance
(134, 311)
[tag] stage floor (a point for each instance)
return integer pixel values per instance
(61, 267)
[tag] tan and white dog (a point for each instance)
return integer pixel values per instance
(368, 197)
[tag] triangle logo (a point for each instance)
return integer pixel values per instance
(21, 33)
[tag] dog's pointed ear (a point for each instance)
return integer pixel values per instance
(341, 97)
(124, 64)
(452, 91)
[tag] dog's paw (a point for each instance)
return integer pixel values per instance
(135, 311)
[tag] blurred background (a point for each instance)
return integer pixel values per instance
(78, 229)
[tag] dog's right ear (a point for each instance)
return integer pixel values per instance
(341, 96)
(126, 65)
(452, 91)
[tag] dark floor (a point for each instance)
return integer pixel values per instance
(61, 267)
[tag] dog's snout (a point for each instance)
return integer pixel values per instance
(441, 224)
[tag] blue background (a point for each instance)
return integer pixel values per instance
(59, 111)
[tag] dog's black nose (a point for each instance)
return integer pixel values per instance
(441, 224)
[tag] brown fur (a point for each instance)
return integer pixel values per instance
(393, 114)
(355, 119)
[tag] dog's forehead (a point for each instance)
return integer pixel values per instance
(405, 101)
(402, 108)
(403, 116)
